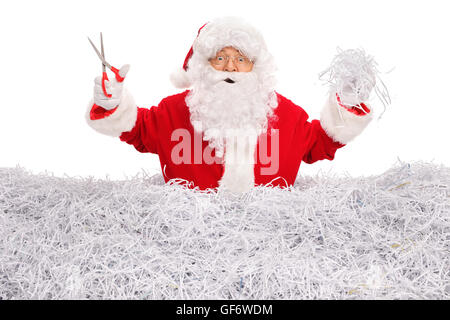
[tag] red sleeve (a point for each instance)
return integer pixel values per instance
(318, 145)
(144, 135)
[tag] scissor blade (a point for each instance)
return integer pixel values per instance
(103, 51)
(99, 54)
(96, 50)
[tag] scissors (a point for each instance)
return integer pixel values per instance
(105, 65)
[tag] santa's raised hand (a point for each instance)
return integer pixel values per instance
(352, 76)
(113, 87)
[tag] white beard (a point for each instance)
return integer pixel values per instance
(219, 109)
(232, 114)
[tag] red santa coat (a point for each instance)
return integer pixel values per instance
(298, 139)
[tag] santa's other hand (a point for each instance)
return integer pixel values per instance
(352, 75)
(113, 87)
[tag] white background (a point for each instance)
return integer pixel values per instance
(48, 68)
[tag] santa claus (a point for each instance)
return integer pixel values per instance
(231, 129)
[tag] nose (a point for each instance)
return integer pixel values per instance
(230, 66)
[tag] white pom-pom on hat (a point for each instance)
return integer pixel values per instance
(180, 79)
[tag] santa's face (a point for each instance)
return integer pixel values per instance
(228, 95)
(231, 60)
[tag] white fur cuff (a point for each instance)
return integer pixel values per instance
(342, 126)
(122, 120)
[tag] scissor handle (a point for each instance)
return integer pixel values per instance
(105, 78)
(116, 72)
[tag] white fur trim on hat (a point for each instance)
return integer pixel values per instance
(121, 120)
(340, 124)
(229, 31)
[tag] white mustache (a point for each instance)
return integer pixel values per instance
(219, 76)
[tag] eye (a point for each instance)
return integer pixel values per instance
(220, 58)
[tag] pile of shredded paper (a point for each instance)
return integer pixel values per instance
(377, 237)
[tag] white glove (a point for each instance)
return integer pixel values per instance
(354, 90)
(113, 87)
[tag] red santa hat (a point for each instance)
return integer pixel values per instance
(214, 36)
